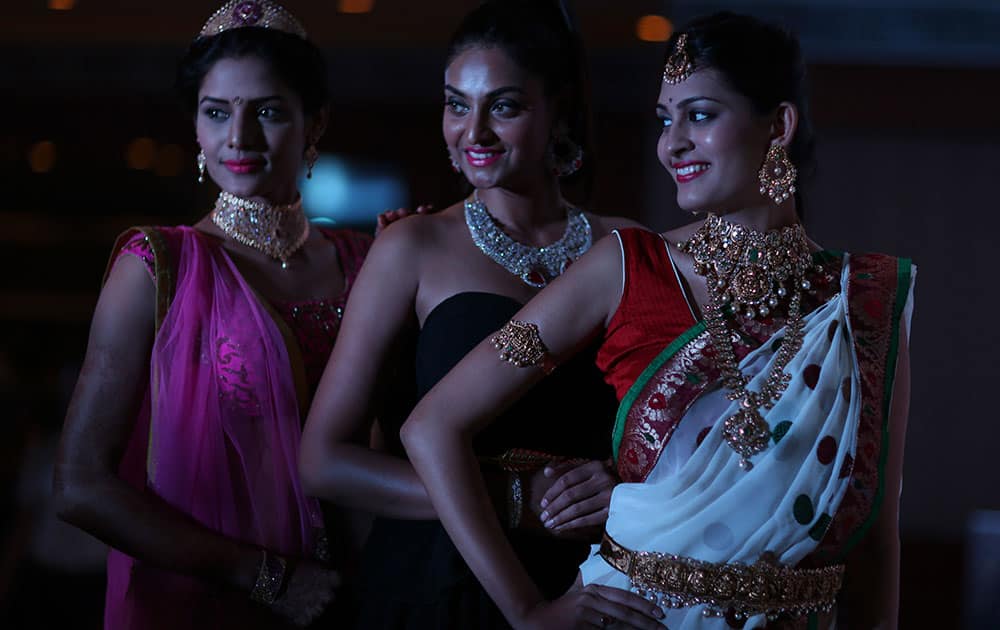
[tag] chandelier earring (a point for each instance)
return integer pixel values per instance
(312, 154)
(202, 162)
(563, 156)
(777, 175)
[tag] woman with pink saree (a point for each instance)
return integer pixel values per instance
(763, 381)
(181, 442)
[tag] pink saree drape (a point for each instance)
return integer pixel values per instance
(221, 441)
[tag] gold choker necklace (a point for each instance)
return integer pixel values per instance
(278, 231)
(747, 270)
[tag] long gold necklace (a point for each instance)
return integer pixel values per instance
(747, 271)
(278, 231)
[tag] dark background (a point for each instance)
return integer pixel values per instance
(906, 101)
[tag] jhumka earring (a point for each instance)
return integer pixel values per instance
(311, 156)
(202, 161)
(679, 65)
(455, 166)
(777, 175)
(563, 156)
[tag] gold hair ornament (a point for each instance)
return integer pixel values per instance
(246, 13)
(679, 64)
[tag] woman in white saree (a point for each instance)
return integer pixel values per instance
(763, 381)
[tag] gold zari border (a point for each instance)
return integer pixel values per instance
(761, 588)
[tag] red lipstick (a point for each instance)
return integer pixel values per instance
(688, 171)
(244, 166)
(480, 157)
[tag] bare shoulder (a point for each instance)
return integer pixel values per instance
(420, 230)
(603, 225)
(408, 246)
(128, 284)
(603, 259)
(125, 315)
(682, 233)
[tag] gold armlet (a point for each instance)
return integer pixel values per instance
(520, 344)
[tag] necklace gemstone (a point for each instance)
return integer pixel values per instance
(535, 266)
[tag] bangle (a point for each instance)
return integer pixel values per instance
(516, 504)
(270, 578)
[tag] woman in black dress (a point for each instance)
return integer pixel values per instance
(515, 122)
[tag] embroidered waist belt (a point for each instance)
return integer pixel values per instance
(734, 588)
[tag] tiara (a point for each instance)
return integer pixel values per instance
(259, 13)
(679, 65)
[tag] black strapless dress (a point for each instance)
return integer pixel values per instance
(412, 575)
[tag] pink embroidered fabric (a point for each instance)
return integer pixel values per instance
(314, 323)
(221, 429)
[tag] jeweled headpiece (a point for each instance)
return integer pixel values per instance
(244, 13)
(679, 65)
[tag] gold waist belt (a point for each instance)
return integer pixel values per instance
(727, 588)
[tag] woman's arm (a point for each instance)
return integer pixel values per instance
(336, 462)
(871, 590)
(99, 423)
(438, 434)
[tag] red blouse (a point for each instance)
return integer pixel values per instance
(652, 313)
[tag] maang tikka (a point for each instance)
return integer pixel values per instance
(679, 64)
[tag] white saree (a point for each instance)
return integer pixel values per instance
(697, 502)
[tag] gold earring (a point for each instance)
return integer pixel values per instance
(311, 156)
(777, 175)
(202, 161)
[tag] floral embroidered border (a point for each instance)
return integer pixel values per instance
(877, 290)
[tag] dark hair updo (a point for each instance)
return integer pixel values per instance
(298, 63)
(761, 61)
(539, 37)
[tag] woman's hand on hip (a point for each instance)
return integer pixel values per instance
(595, 606)
(577, 502)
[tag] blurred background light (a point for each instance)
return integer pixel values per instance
(42, 156)
(344, 191)
(169, 161)
(355, 6)
(140, 154)
(653, 28)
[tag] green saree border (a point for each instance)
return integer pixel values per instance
(648, 373)
(904, 273)
(673, 348)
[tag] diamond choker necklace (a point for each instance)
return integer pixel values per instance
(278, 231)
(535, 266)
